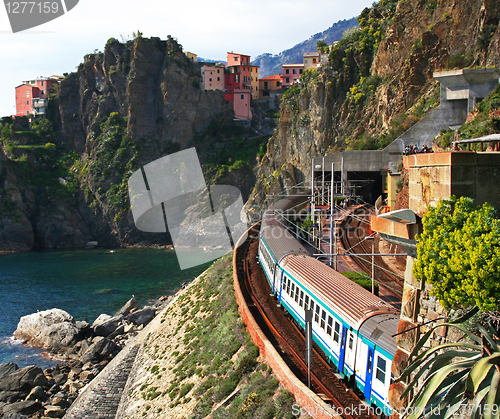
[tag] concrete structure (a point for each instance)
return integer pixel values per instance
(441, 175)
(311, 60)
(192, 57)
(461, 91)
(213, 76)
(268, 84)
(291, 73)
(31, 96)
(362, 172)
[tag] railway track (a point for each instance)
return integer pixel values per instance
(289, 339)
(355, 231)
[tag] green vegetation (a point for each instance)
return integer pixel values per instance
(226, 146)
(362, 280)
(459, 254)
(460, 379)
(215, 356)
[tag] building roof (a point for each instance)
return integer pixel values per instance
(294, 65)
(235, 53)
(275, 77)
(311, 54)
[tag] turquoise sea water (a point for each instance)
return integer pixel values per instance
(83, 283)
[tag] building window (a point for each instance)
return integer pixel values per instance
(218, 71)
(218, 78)
(242, 97)
(27, 93)
(294, 71)
(305, 61)
(235, 58)
(287, 71)
(300, 71)
(381, 365)
(314, 61)
(210, 79)
(42, 82)
(27, 102)
(288, 79)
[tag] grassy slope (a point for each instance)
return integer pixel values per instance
(201, 354)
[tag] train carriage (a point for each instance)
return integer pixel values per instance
(353, 327)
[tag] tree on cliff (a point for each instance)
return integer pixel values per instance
(459, 254)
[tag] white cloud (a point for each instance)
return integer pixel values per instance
(209, 29)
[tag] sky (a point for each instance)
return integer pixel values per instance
(208, 29)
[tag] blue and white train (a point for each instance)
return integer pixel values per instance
(353, 327)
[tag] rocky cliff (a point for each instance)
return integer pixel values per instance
(377, 83)
(63, 181)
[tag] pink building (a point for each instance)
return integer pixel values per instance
(291, 73)
(213, 77)
(31, 96)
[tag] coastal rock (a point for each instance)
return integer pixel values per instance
(36, 393)
(142, 317)
(54, 411)
(23, 408)
(6, 369)
(24, 380)
(10, 396)
(100, 348)
(109, 326)
(127, 307)
(13, 416)
(101, 319)
(50, 328)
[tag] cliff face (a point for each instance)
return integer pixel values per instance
(122, 109)
(377, 83)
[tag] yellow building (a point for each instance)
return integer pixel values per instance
(192, 57)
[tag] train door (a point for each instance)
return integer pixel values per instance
(342, 350)
(369, 375)
(350, 352)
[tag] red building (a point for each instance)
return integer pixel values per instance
(31, 96)
(238, 84)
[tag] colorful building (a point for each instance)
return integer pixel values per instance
(291, 73)
(268, 84)
(311, 60)
(213, 76)
(192, 57)
(31, 96)
(240, 83)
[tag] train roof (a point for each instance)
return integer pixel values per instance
(350, 301)
(380, 330)
(280, 240)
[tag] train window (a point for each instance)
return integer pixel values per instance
(381, 365)
(329, 326)
(311, 307)
(316, 315)
(307, 302)
(351, 340)
(301, 302)
(323, 319)
(288, 286)
(336, 333)
(293, 290)
(297, 294)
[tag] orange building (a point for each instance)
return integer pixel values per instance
(268, 84)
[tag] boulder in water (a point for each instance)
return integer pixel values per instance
(24, 380)
(142, 317)
(51, 329)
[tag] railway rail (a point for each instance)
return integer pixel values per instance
(289, 339)
(355, 242)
